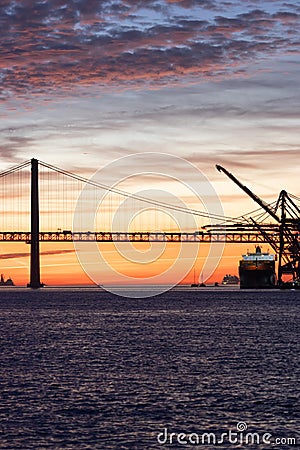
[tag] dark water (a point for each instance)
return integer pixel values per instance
(82, 369)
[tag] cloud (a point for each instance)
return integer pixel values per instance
(12, 147)
(58, 46)
(27, 254)
(254, 162)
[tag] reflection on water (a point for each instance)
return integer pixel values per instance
(83, 369)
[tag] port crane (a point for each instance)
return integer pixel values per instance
(283, 234)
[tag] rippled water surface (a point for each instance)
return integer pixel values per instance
(84, 369)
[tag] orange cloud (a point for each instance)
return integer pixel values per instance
(51, 48)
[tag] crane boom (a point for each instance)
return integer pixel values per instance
(254, 197)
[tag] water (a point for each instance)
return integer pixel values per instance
(83, 369)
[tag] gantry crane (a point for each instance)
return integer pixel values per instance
(286, 242)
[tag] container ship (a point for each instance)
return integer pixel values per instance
(257, 270)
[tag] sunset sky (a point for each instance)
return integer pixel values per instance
(86, 82)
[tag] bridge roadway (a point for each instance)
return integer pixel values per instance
(105, 236)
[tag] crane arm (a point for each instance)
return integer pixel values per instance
(254, 197)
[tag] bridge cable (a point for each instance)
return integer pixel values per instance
(137, 197)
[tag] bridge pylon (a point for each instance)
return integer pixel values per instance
(35, 282)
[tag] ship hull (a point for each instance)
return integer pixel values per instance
(257, 277)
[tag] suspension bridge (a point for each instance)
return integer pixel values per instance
(35, 190)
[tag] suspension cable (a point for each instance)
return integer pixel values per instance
(137, 197)
(14, 169)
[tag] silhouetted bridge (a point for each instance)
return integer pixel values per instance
(282, 235)
(196, 237)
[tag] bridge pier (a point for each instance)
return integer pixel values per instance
(35, 282)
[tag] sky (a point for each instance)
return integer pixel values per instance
(84, 83)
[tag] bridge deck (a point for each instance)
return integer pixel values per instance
(103, 236)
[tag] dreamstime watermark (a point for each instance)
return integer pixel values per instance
(170, 174)
(240, 436)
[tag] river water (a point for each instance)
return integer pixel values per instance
(85, 369)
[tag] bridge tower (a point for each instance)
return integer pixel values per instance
(35, 282)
